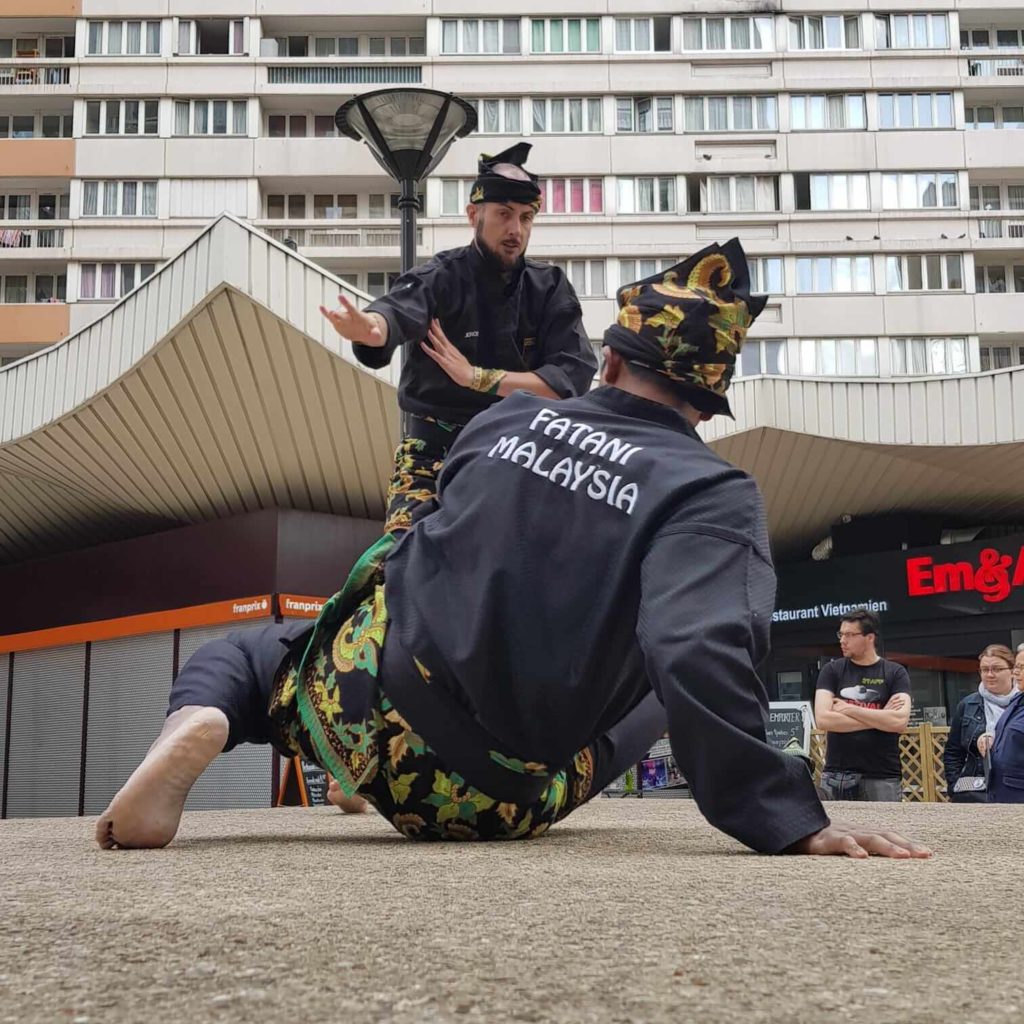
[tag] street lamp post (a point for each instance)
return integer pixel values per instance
(408, 132)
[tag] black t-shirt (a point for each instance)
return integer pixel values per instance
(871, 752)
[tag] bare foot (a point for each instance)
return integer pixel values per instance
(147, 809)
(349, 804)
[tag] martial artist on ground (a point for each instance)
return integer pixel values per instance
(585, 563)
(478, 323)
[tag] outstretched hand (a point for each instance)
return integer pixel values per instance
(843, 840)
(359, 327)
(447, 356)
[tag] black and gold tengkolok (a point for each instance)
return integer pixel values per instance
(689, 323)
(493, 187)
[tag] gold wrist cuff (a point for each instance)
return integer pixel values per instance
(486, 381)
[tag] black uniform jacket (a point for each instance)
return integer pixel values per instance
(527, 321)
(580, 553)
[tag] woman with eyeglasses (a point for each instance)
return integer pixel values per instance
(974, 725)
(1006, 780)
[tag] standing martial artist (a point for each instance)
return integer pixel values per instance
(480, 322)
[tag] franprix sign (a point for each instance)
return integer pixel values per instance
(949, 580)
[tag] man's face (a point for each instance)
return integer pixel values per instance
(502, 229)
(853, 642)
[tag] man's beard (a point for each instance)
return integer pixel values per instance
(497, 259)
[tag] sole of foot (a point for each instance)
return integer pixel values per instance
(146, 812)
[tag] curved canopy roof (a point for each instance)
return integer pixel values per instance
(214, 388)
(217, 388)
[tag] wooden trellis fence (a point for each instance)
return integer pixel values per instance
(921, 747)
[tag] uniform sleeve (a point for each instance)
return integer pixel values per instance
(569, 361)
(705, 607)
(408, 308)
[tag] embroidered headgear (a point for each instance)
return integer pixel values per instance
(504, 179)
(689, 323)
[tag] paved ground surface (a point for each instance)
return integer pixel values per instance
(631, 911)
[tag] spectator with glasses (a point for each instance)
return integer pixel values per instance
(1006, 780)
(974, 724)
(863, 703)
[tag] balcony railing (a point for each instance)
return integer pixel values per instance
(16, 236)
(15, 73)
(355, 74)
(1012, 66)
(1008, 224)
(341, 237)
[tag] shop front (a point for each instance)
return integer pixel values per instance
(939, 607)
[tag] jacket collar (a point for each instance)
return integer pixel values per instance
(626, 404)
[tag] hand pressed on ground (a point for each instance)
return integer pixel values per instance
(842, 840)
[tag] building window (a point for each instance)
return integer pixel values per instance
(836, 357)
(32, 126)
(124, 38)
(737, 193)
(1001, 357)
(766, 275)
(396, 46)
(728, 33)
(646, 195)
(210, 117)
(291, 207)
(335, 46)
(643, 35)
(987, 197)
(824, 32)
(731, 113)
(840, 274)
(831, 191)
(50, 47)
(379, 282)
(817, 112)
(112, 280)
(911, 31)
(760, 357)
(971, 39)
(499, 116)
(918, 191)
(638, 270)
(929, 272)
(477, 36)
(989, 118)
(565, 35)
(572, 195)
(54, 206)
(643, 114)
(912, 356)
(455, 196)
(119, 199)
(212, 36)
(51, 287)
(121, 117)
(996, 279)
(576, 114)
(334, 207)
(281, 126)
(915, 110)
(586, 276)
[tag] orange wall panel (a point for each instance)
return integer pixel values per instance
(40, 8)
(37, 158)
(40, 324)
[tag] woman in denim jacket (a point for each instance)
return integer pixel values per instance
(973, 727)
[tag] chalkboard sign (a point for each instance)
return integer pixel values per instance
(789, 726)
(303, 784)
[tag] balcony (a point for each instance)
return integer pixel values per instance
(18, 236)
(26, 76)
(304, 74)
(41, 8)
(998, 229)
(42, 323)
(1003, 67)
(371, 238)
